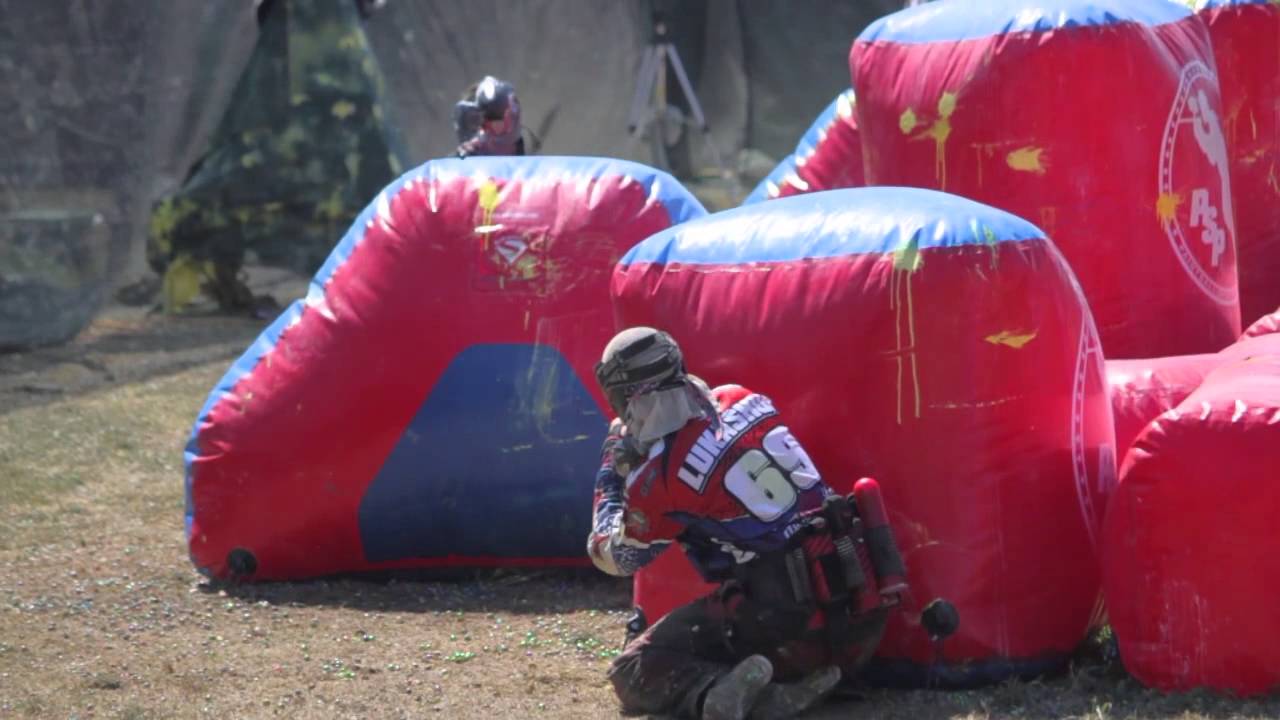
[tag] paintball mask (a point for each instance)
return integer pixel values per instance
(638, 360)
(488, 120)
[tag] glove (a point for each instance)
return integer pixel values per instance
(619, 452)
(612, 443)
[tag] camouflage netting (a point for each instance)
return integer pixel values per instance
(108, 110)
(71, 101)
(303, 145)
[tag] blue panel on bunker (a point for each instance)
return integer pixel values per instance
(499, 461)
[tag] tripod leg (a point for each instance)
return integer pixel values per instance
(689, 95)
(644, 88)
(658, 134)
(696, 107)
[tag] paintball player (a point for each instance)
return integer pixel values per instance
(487, 120)
(720, 472)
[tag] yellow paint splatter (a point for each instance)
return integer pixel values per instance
(908, 257)
(907, 121)
(488, 203)
(906, 260)
(342, 109)
(939, 130)
(947, 104)
(488, 196)
(1167, 206)
(1011, 338)
(989, 239)
(1027, 159)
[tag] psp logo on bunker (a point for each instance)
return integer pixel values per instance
(1194, 204)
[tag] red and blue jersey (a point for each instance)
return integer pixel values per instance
(728, 491)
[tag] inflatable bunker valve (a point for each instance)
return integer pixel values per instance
(828, 157)
(1120, 156)
(431, 401)
(1246, 45)
(944, 348)
(1191, 551)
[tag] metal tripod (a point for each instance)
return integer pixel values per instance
(649, 104)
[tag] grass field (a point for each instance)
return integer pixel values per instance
(102, 616)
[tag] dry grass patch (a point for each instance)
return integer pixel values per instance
(102, 616)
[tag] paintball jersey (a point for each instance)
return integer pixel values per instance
(728, 492)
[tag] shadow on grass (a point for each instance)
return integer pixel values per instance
(553, 590)
(133, 352)
(126, 345)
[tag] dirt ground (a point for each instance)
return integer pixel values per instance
(102, 616)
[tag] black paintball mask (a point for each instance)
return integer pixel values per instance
(637, 361)
(491, 107)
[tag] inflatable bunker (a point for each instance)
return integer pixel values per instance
(1264, 325)
(828, 157)
(1142, 389)
(1098, 120)
(1246, 45)
(1191, 552)
(431, 401)
(938, 345)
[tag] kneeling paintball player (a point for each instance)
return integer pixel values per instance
(806, 577)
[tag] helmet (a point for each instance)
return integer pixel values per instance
(487, 120)
(499, 106)
(467, 118)
(496, 98)
(638, 360)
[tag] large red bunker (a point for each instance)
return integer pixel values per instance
(431, 401)
(1246, 46)
(1192, 558)
(938, 345)
(1098, 120)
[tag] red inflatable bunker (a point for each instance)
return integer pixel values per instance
(938, 345)
(1192, 561)
(1246, 45)
(1143, 389)
(828, 157)
(1098, 120)
(431, 401)
(1264, 325)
